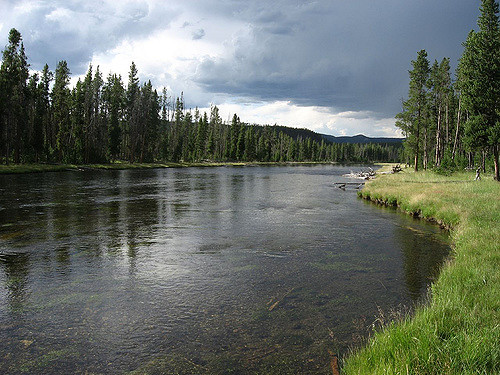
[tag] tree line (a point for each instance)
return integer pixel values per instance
(450, 124)
(100, 120)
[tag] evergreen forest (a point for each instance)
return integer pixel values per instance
(450, 124)
(101, 120)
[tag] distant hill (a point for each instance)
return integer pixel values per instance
(360, 138)
(296, 133)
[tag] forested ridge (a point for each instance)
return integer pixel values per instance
(101, 120)
(454, 124)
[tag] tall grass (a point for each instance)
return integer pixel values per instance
(458, 331)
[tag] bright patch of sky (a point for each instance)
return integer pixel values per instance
(331, 66)
(318, 119)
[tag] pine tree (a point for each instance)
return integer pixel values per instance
(44, 111)
(480, 83)
(98, 141)
(131, 129)
(201, 135)
(61, 104)
(217, 147)
(150, 123)
(440, 85)
(187, 136)
(78, 123)
(34, 146)
(250, 153)
(234, 134)
(88, 114)
(177, 131)
(14, 75)
(240, 143)
(414, 118)
(114, 102)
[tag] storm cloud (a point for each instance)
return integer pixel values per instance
(332, 57)
(345, 55)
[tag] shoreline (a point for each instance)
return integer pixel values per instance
(457, 331)
(40, 168)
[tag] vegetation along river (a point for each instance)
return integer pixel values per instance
(199, 270)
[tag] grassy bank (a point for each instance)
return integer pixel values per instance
(458, 331)
(34, 168)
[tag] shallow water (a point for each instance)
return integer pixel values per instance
(214, 270)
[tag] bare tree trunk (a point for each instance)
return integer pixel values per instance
(495, 158)
(455, 143)
(447, 138)
(483, 161)
(426, 155)
(437, 160)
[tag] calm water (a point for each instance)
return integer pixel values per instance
(211, 271)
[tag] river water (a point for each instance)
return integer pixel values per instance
(229, 270)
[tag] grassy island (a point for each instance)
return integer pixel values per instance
(458, 330)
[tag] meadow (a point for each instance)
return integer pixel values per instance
(457, 331)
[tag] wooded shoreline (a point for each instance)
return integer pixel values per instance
(38, 168)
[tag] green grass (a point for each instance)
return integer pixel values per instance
(458, 331)
(34, 168)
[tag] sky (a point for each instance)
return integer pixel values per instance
(337, 67)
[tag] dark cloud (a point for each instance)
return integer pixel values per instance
(346, 55)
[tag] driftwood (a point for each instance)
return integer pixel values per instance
(365, 175)
(397, 168)
(343, 185)
(271, 308)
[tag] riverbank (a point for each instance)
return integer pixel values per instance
(458, 331)
(36, 168)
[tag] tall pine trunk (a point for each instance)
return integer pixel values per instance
(455, 143)
(437, 160)
(426, 153)
(447, 138)
(416, 154)
(495, 158)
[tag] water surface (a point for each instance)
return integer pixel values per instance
(215, 270)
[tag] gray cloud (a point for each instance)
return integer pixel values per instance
(75, 30)
(198, 34)
(345, 55)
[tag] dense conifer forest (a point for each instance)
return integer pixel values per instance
(102, 119)
(454, 124)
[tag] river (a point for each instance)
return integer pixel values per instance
(229, 270)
